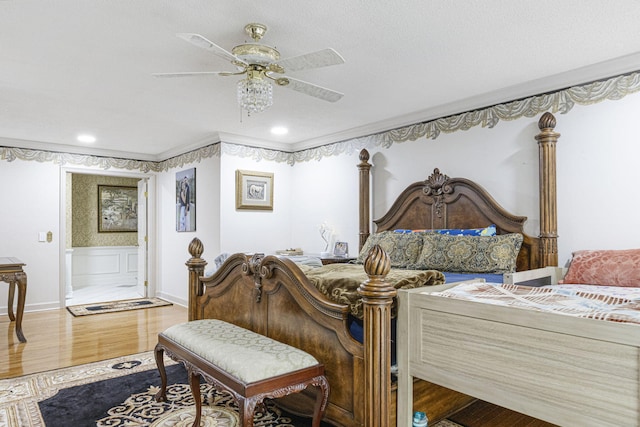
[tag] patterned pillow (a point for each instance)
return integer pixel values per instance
(486, 231)
(403, 249)
(605, 267)
(469, 254)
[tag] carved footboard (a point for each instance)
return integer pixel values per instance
(271, 296)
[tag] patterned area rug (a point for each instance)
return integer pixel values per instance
(121, 392)
(110, 307)
(117, 392)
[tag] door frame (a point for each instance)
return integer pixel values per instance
(151, 223)
(142, 281)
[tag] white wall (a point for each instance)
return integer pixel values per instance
(173, 245)
(30, 204)
(599, 173)
(325, 191)
(255, 230)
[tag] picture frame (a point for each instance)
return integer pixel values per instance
(117, 209)
(186, 200)
(254, 190)
(341, 249)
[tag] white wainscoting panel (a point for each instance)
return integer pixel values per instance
(104, 265)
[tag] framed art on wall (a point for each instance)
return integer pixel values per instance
(254, 190)
(186, 200)
(117, 209)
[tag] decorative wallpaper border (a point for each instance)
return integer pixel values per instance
(560, 101)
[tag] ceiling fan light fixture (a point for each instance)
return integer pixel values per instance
(255, 94)
(259, 63)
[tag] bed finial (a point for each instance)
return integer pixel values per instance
(377, 262)
(196, 266)
(196, 248)
(547, 121)
(364, 155)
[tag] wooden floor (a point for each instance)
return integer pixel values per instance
(56, 339)
(483, 414)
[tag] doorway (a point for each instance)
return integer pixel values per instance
(105, 264)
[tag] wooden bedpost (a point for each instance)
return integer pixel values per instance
(377, 297)
(547, 140)
(364, 167)
(196, 269)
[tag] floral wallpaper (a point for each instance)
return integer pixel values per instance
(84, 212)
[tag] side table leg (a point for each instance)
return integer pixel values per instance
(12, 291)
(22, 296)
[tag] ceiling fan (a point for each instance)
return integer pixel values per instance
(262, 64)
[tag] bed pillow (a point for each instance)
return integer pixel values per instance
(485, 231)
(469, 254)
(605, 267)
(403, 249)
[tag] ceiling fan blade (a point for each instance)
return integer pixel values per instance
(313, 90)
(321, 58)
(192, 74)
(201, 42)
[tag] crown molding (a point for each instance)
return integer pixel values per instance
(575, 77)
(562, 101)
(73, 149)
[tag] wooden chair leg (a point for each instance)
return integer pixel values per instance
(161, 395)
(194, 382)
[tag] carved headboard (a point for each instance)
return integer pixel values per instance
(443, 202)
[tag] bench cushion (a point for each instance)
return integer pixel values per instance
(246, 355)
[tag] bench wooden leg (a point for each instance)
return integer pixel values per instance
(247, 408)
(322, 397)
(194, 383)
(161, 395)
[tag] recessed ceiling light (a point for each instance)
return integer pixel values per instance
(86, 138)
(279, 130)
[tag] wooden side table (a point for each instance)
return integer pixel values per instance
(12, 273)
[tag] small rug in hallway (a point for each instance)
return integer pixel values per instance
(120, 392)
(113, 306)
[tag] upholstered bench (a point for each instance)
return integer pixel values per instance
(250, 366)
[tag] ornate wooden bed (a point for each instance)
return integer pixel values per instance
(271, 295)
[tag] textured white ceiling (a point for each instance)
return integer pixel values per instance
(76, 66)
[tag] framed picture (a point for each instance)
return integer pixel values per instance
(117, 209)
(254, 190)
(341, 249)
(186, 200)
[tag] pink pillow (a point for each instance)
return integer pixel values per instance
(605, 267)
